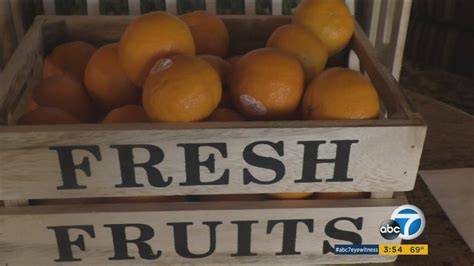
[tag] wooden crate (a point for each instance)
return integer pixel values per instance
(93, 161)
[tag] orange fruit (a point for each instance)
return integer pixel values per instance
(330, 20)
(47, 116)
(66, 94)
(68, 59)
(301, 42)
(126, 114)
(106, 82)
(151, 37)
(232, 197)
(31, 105)
(225, 114)
(291, 195)
(340, 93)
(181, 88)
(223, 68)
(226, 101)
(342, 195)
(267, 84)
(209, 32)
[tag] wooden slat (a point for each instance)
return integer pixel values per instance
(93, 7)
(27, 228)
(277, 7)
(17, 16)
(49, 7)
(10, 203)
(401, 38)
(367, 166)
(172, 6)
(388, 22)
(250, 8)
(211, 6)
(134, 7)
(374, 22)
(23, 68)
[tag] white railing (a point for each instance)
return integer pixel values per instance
(171, 6)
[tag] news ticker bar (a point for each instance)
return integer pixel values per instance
(382, 250)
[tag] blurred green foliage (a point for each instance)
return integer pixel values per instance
(152, 5)
(120, 7)
(113, 7)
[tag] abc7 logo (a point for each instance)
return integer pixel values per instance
(407, 222)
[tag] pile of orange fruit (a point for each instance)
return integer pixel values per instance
(169, 68)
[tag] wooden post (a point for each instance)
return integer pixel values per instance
(211, 6)
(172, 7)
(250, 7)
(16, 7)
(134, 7)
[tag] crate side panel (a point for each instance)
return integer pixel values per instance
(32, 238)
(44, 164)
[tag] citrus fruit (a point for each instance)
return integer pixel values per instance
(106, 82)
(31, 105)
(330, 20)
(68, 59)
(209, 32)
(223, 68)
(47, 116)
(291, 195)
(303, 44)
(340, 93)
(225, 114)
(126, 114)
(64, 93)
(181, 88)
(149, 38)
(267, 84)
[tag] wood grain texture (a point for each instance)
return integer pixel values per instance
(26, 228)
(31, 170)
(22, 71)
